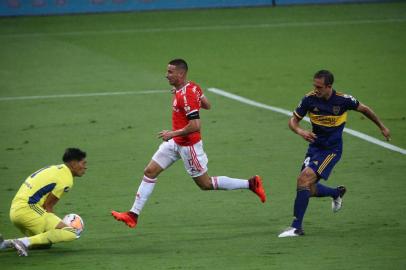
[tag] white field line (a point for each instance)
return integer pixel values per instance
(289, 113)
(85, 95)
(207, 28)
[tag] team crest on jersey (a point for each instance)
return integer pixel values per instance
(336, 110)
(315, 109)
(316, 162)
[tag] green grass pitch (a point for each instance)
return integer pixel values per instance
(265, 54)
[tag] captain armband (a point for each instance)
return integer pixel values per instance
(193, 115)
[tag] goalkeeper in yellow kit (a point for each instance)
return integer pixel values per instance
(32, 207)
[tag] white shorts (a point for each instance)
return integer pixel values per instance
(194, 158)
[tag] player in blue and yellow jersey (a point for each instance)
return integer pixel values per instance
(327, 110)
(32, 207)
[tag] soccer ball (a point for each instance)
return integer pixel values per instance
(76, 222)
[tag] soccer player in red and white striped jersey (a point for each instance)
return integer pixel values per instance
(184, 142)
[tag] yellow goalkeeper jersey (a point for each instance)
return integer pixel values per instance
(55, 179)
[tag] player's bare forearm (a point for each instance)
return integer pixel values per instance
(295, 127)
(192, 126)
(371, 115)
(294, 124)
(49, 209)
(50, 202)
(205, 103)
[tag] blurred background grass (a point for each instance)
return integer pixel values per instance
(265, 54)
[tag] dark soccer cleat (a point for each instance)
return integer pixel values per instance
(291, 232)
(255, 185)
(128, 218)
(337, 203)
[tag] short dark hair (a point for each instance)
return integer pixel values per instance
(326, 75)
(73, 154)
(179, 63)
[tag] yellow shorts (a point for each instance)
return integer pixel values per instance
(32, 219)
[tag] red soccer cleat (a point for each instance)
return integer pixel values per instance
(255, 184)
(128, 218)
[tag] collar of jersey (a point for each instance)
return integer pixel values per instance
(184, 87)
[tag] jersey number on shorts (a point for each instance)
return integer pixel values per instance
(306, 161)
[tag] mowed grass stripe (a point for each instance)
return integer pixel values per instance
(210, 27)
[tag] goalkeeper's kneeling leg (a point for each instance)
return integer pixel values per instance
(53, 236)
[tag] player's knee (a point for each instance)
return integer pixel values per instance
(150, 173)
(305, 179)
(301, 182)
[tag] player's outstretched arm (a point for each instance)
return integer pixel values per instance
(365, 110)
(295, 127)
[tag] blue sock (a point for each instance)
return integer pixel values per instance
(324, 191)
(301, 202)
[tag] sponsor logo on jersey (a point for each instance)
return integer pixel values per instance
(336, 110)
(328, 120)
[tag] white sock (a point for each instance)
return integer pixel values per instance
(144, 191)
(228, 183)
(25, 241)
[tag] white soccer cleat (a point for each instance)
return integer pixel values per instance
(22, 250)
(337, 203)
(291, 232)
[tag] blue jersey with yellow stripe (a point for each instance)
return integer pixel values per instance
(328, 117)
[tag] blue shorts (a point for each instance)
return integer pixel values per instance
(321, 162)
